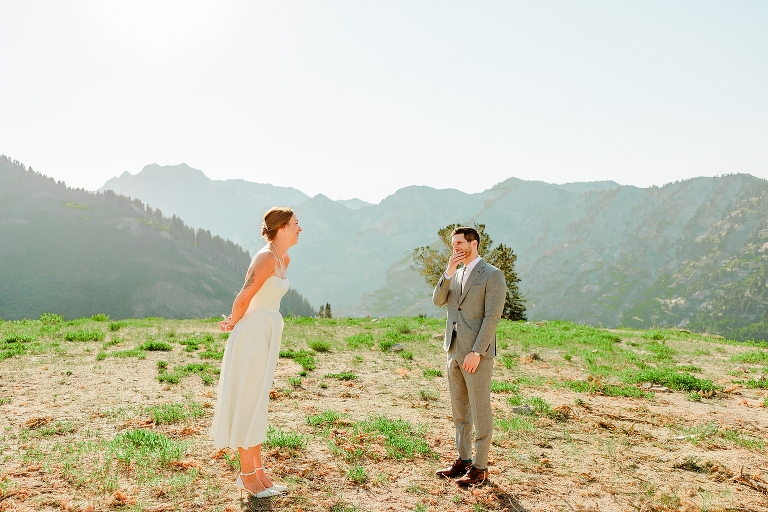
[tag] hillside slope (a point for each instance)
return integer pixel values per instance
(77, 253)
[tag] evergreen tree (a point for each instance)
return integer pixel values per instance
(328, 311)
(431, 263)
(321, 313)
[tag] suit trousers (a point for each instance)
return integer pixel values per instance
(471, 403)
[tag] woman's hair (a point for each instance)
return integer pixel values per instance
(275, 218)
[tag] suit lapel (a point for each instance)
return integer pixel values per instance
(479, 269)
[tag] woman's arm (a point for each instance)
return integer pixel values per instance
(262, 266)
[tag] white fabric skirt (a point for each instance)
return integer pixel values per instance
(247, 370)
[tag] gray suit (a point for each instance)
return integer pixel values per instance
(471, 327)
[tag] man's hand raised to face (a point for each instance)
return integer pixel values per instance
(453, 262)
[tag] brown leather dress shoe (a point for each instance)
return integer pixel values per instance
(459, 468)
(473, 476)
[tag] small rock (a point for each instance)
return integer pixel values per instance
(522, 409)
(397, 347)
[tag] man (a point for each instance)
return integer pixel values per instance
(475, 297)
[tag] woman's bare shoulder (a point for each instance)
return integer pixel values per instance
(263, 257)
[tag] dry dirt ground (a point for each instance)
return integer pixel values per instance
(362, 424)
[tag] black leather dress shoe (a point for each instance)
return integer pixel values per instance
(473, 476)
(459, 468)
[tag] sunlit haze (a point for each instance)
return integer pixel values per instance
(359, 99)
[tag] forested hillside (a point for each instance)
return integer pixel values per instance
(77, 253)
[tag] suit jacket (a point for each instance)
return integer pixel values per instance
(476, 311)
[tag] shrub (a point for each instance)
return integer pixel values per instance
(431, 373)
(116, 326)
(100, 317)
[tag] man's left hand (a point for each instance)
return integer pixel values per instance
(471, 362)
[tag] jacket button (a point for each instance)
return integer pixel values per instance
(459, 309)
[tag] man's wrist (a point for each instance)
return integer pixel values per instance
(478, 354)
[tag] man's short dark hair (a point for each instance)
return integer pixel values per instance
(469, 234)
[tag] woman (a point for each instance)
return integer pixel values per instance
(250, 358)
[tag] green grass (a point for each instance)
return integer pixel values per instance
(212, 354)
(19, 338)
(504, 387)
(710, 433)
(598, 388)
(116, 326)
(432, 373)
(156, 346)
(753, 357)
(286, 440)
(140, 354)
(514, 424)
(324, 420)
(757, 383)
(306, 358)
(84, 335)
(100, 317)
(146, 448)
(357, 474)
(672, 379)
(319, 346)
(342, 376)
(402, 440)
(51, 319)
(359, 340)
(428, 395)
(208, 373)
(294, 381)
(174, 412)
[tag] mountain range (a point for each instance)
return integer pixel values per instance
(77, 253)
(690, 253)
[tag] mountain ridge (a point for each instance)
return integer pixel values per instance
(587, 252)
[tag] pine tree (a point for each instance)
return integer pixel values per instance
(328, 311)
(431, 263)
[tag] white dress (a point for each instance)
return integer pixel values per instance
(250, 359)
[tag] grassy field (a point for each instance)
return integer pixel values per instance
(103, 415)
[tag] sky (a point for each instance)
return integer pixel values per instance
(359, 99)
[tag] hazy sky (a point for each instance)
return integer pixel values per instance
(359, 99)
